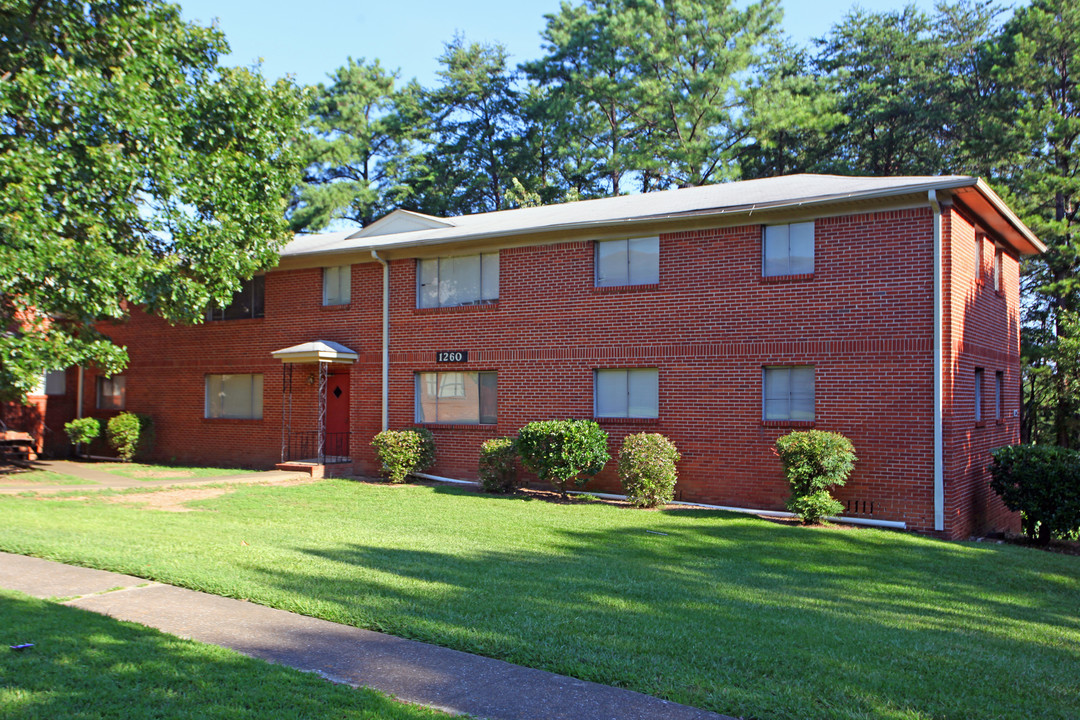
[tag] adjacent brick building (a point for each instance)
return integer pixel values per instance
(721, 316)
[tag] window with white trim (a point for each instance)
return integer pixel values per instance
(457, 397)
(626, 393)
(337, 285)
(234, 396)
(634, 261)
(788, 393)
(461, 280)
(111, 393)
(787, 249)
(978, 394)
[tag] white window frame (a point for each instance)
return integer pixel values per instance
(254, 411)
(790, 396)
(432, 290)
(640, 267)
(649, 377)
(451, 385)
(337, 285)
(108, 388)
(779, 237)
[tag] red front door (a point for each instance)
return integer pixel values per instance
(337, 412)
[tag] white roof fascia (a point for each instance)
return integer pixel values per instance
(318, 351)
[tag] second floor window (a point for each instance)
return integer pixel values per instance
(111, 393)
(788, 249)
(337, 282)
(247, 302)
(463, 280)
(635, 261)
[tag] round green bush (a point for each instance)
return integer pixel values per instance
(561, 452)
(814, 462)
(499, 465)
(1043, 483)
(647, 469)
(404, 452)
(83, 430)
(124, 432)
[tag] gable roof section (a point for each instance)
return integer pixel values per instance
(736, 198)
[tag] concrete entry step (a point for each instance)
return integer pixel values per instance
(313, 469)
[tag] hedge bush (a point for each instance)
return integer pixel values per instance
(499, 465)
(126, 431)
(815, 461)
(404, 452)
(1043, 483)
(561, 452)
(647, 469)
(83, 430)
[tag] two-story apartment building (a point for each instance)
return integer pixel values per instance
(722, 316)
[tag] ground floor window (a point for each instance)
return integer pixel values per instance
(626, 393)
(111, 393)
(788, 393)
(234, 396)
(457, 397)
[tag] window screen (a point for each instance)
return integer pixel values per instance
(788, 249)
(627, 393)
(457, 397)
(788, 393)
(635, 261)
(234, 396)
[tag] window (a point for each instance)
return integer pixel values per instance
(56, 382)
(337, 285)
(635, 261)
(111, 393)
(788, 393)
(247, 302)
(999, 397)
(978, 394)
(997, 269)
(234, 396)
(626, 393)
(450, 281)
(980, 242)
(457, 397)
(788, 249)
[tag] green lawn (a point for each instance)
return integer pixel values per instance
(88, 666)
(41, 477)
(142, 471)
(727, 612)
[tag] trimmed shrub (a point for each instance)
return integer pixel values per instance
(815, 461)
(647, 469)
(125, 431)
(83, 430)
(563, 451)
(498, 465)
(1043, 483)
(404, 452)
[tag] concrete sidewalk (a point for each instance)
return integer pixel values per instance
(413, 671)
(107, 481)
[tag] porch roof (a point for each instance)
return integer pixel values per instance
(317, 351)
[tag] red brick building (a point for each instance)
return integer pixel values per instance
(721, 316)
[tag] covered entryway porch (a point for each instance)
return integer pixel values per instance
(315, 406)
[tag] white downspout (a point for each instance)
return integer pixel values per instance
(939, 450)
(385, 340)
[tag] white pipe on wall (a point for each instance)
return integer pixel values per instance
(385, 340)
(939, 449)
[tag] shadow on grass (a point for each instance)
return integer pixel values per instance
(84, 665)
(740, 616)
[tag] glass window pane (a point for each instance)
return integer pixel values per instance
(459, 408)
(428, 279)
(611, 263)
(237, 396)
(643, 391)
(213, 396)
(489, 398)
(777, 383)
(610, 393)
(644, 260)
(801, 247)
(489, 281)
(426, 401)
(775, 250)
(802, 407)
(451, 385)
(256, 397)
(777, 409)
(459, 280)
(55, 382)
(258, 300)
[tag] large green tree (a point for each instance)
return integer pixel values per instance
(359, 148)
(133, 170)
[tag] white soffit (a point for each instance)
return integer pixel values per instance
(318, 351)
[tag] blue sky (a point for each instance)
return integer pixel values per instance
(311, 38)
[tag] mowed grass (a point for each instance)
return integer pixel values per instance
(85, 665)
(41, 477)
(142, 471)
(731, 613)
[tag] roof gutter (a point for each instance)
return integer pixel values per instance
(939, 450)
(385, 340)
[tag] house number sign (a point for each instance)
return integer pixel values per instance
(452, 356)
